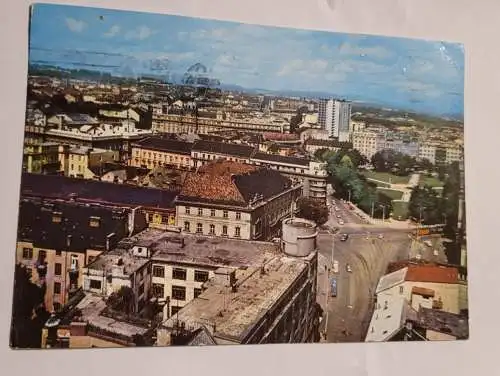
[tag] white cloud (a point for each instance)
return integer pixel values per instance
(141, 33)
(75, 26)
(305, 67)
(113, 31)
(420, 88)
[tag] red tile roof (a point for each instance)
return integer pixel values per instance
(431, 273)
(223, 167)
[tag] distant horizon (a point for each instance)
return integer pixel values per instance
(402, 74)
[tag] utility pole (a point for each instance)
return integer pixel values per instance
(349, 200)
(373, 208)
(383, 213)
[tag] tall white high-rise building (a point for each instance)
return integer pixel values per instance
(335, 116)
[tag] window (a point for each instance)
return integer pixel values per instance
(224, 230)
(237, 232)
(42, 255)
(56, 217)
(199, 228)
(225, 214)
(200, 212)
(95, 284)
(238, 215)
(72, 166)
(158, 271)
(57, 288)
(200, 276)
(141, 289)
(58, 253)
(197, 293)
(401, 289)
(94, 221)
(178, 293)
(58, 269)
(27, 253)
(187, 226)
(158, 290)
(188, 210)
(179, 273)
(212, 229)
(212, 212)
(57, 306)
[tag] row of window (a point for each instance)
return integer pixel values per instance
(178, 292)
(213, 212)
(211, 229)
(180, 274)
(170, 157)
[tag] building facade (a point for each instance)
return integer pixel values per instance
(155, 152)
(335, 116)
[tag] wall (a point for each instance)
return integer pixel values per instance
(153, 158)
(167, 281)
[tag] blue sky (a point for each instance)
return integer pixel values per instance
(414, 74)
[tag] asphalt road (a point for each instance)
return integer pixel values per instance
(348, 313)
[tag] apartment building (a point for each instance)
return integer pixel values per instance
(56, 239)
(274, 302)
(440, 153)
(41, 158)
(157, 151)
(235, 200)
(367, 142)
(335, 117)
(205, 151)
(313, 145)
(77, 161)
(156, 204)
(190, 123)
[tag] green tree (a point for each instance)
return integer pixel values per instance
(346, 162)
(320, 154)
(297, 119)
(425, 204)
(313, 210)
(122, 301)
(28, 311)
(383, 160)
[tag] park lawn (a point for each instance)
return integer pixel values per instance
(386, 176)
(430, 181)
(400, 210)
(394, 195)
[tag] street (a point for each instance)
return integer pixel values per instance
(368, 254)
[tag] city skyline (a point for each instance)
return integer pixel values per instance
(407, 74)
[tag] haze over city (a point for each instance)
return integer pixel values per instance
(415, 75)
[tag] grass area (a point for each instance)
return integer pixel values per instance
(430, 181)
(400, 210)
(386, 176)
(394, 195)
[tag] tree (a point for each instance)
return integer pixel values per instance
(426, 205)
(346, 162)
(122, 300)
(313, 210)
(383, 160)
(404, 164)
(28, 311)
(297, 119)
(320, 154)
(356, 157)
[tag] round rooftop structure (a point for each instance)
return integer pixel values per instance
(299, 237)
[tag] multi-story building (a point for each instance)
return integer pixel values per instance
(41, 158)
(367, 142)
(155, 151)
(77, 161)
(156, 204)
(272, 300)
(427, 151)
(400, 145)
(56, 239)
(206, 151)
(235, 200)
(190, 123)
(313, 145)
(440, 153)
(335, 116)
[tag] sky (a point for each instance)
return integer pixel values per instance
(423, 76)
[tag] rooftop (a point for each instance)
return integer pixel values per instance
(329, 143)
(164, 144)
(242, 189)
(83, 150)
(443, 322)
(388, 318)
(203, 250)
(432, 273)
(225, 148)
(280, 159)
(392, 279)
(61, 187)
(234, 314)
(91, 307)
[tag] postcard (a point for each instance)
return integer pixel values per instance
(193, 182)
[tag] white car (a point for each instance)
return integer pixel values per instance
(341, 222)
(381, 236)
(348, 268)
(338, 215)
(335, 266)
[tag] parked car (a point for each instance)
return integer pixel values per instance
(381, 236)
(335, 266)
(341, 222)
(348, 268)
(344, 237)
